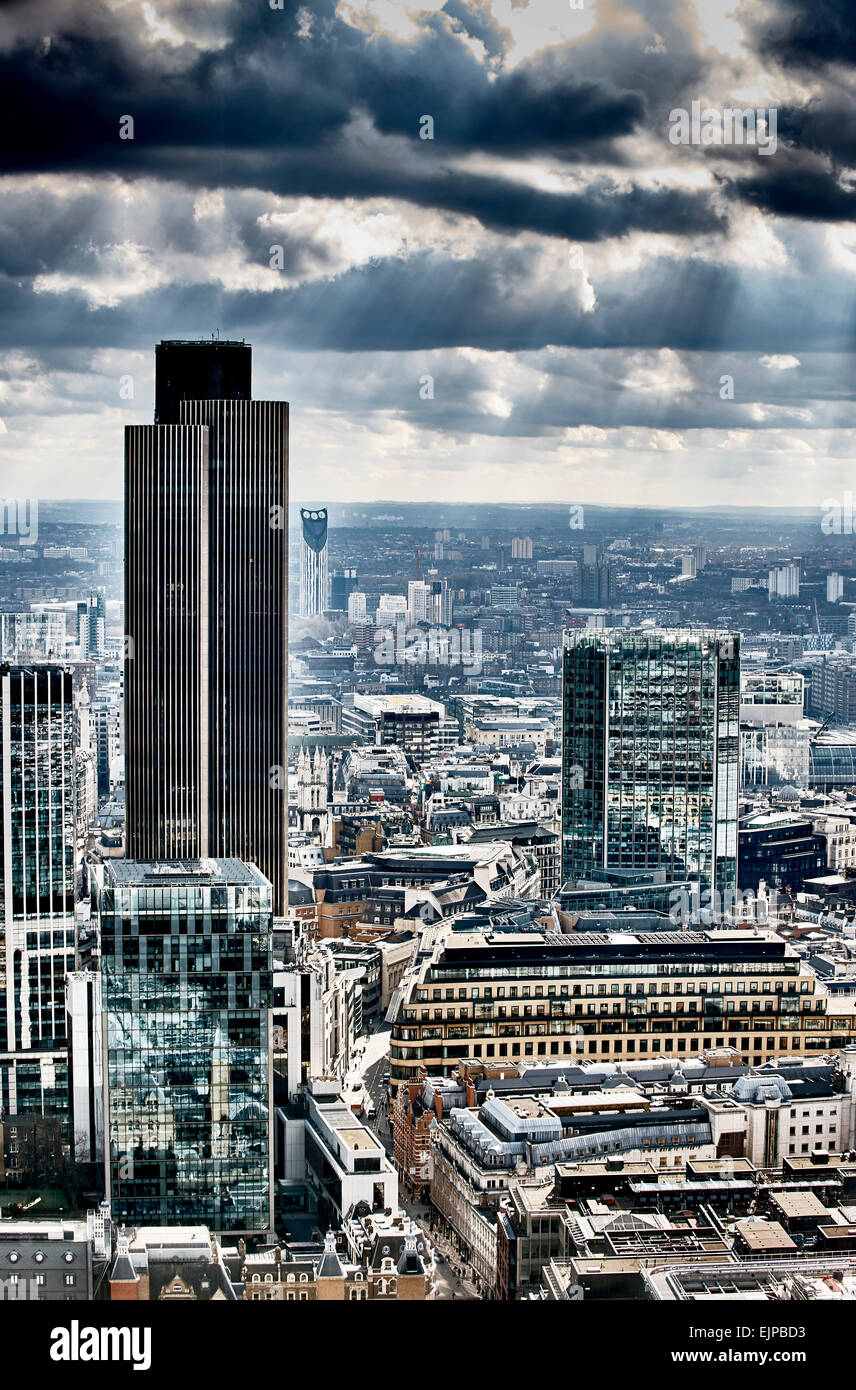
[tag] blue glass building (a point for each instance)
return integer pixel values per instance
(650, 754)
(186, 996)
(37, 946)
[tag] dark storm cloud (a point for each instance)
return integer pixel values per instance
(806, 35)
(800, 187)
(271, 110)
(805, 179)
(475, 19)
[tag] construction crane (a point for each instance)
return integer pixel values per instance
(828, 720)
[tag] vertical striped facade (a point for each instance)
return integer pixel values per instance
(167, 588)
(206, 665)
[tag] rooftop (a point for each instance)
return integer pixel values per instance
(148, 873)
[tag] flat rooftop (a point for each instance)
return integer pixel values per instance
(165, 873)
(348, 1126)
(606, 1170)
(794, 1205)
(398, 704)
(716, 1167)
(765, 1235)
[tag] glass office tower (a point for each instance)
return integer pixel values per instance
(650, 754)
(37, 779)
(186, 996)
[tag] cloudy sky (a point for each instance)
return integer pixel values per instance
(575, 285)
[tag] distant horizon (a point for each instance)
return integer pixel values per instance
(316, 500)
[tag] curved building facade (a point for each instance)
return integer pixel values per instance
(832, 765)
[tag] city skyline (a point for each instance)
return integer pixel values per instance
(509, 276)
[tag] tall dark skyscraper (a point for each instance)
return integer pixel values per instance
(208, 371)
(650, 754)
(206, 503)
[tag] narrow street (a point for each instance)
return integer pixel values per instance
(452, 1280)
(368, 1071)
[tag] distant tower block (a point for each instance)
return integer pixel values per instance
(313, 562)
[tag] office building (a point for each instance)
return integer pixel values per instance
(557, 569)
(439, 603)
(775, 754)
(206, 616)
(516, 997)
(780, 849)
(37, 836)
(833, 690)
(391, 609)
(597, 585)
(91, 626)
(317, 1018)
(313, 562)
(186, 997)
(342, 585)
(343, 1161)
(417, 602)
(199, 371)
(771, 697)
(504, 595)
(650, 754)
(106, 720)
(387, 1258)
(356, 607)
(50, 1261)
(28, 636)
(832, 761)
(784, 582)
(85, 1065)
(412, 721)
